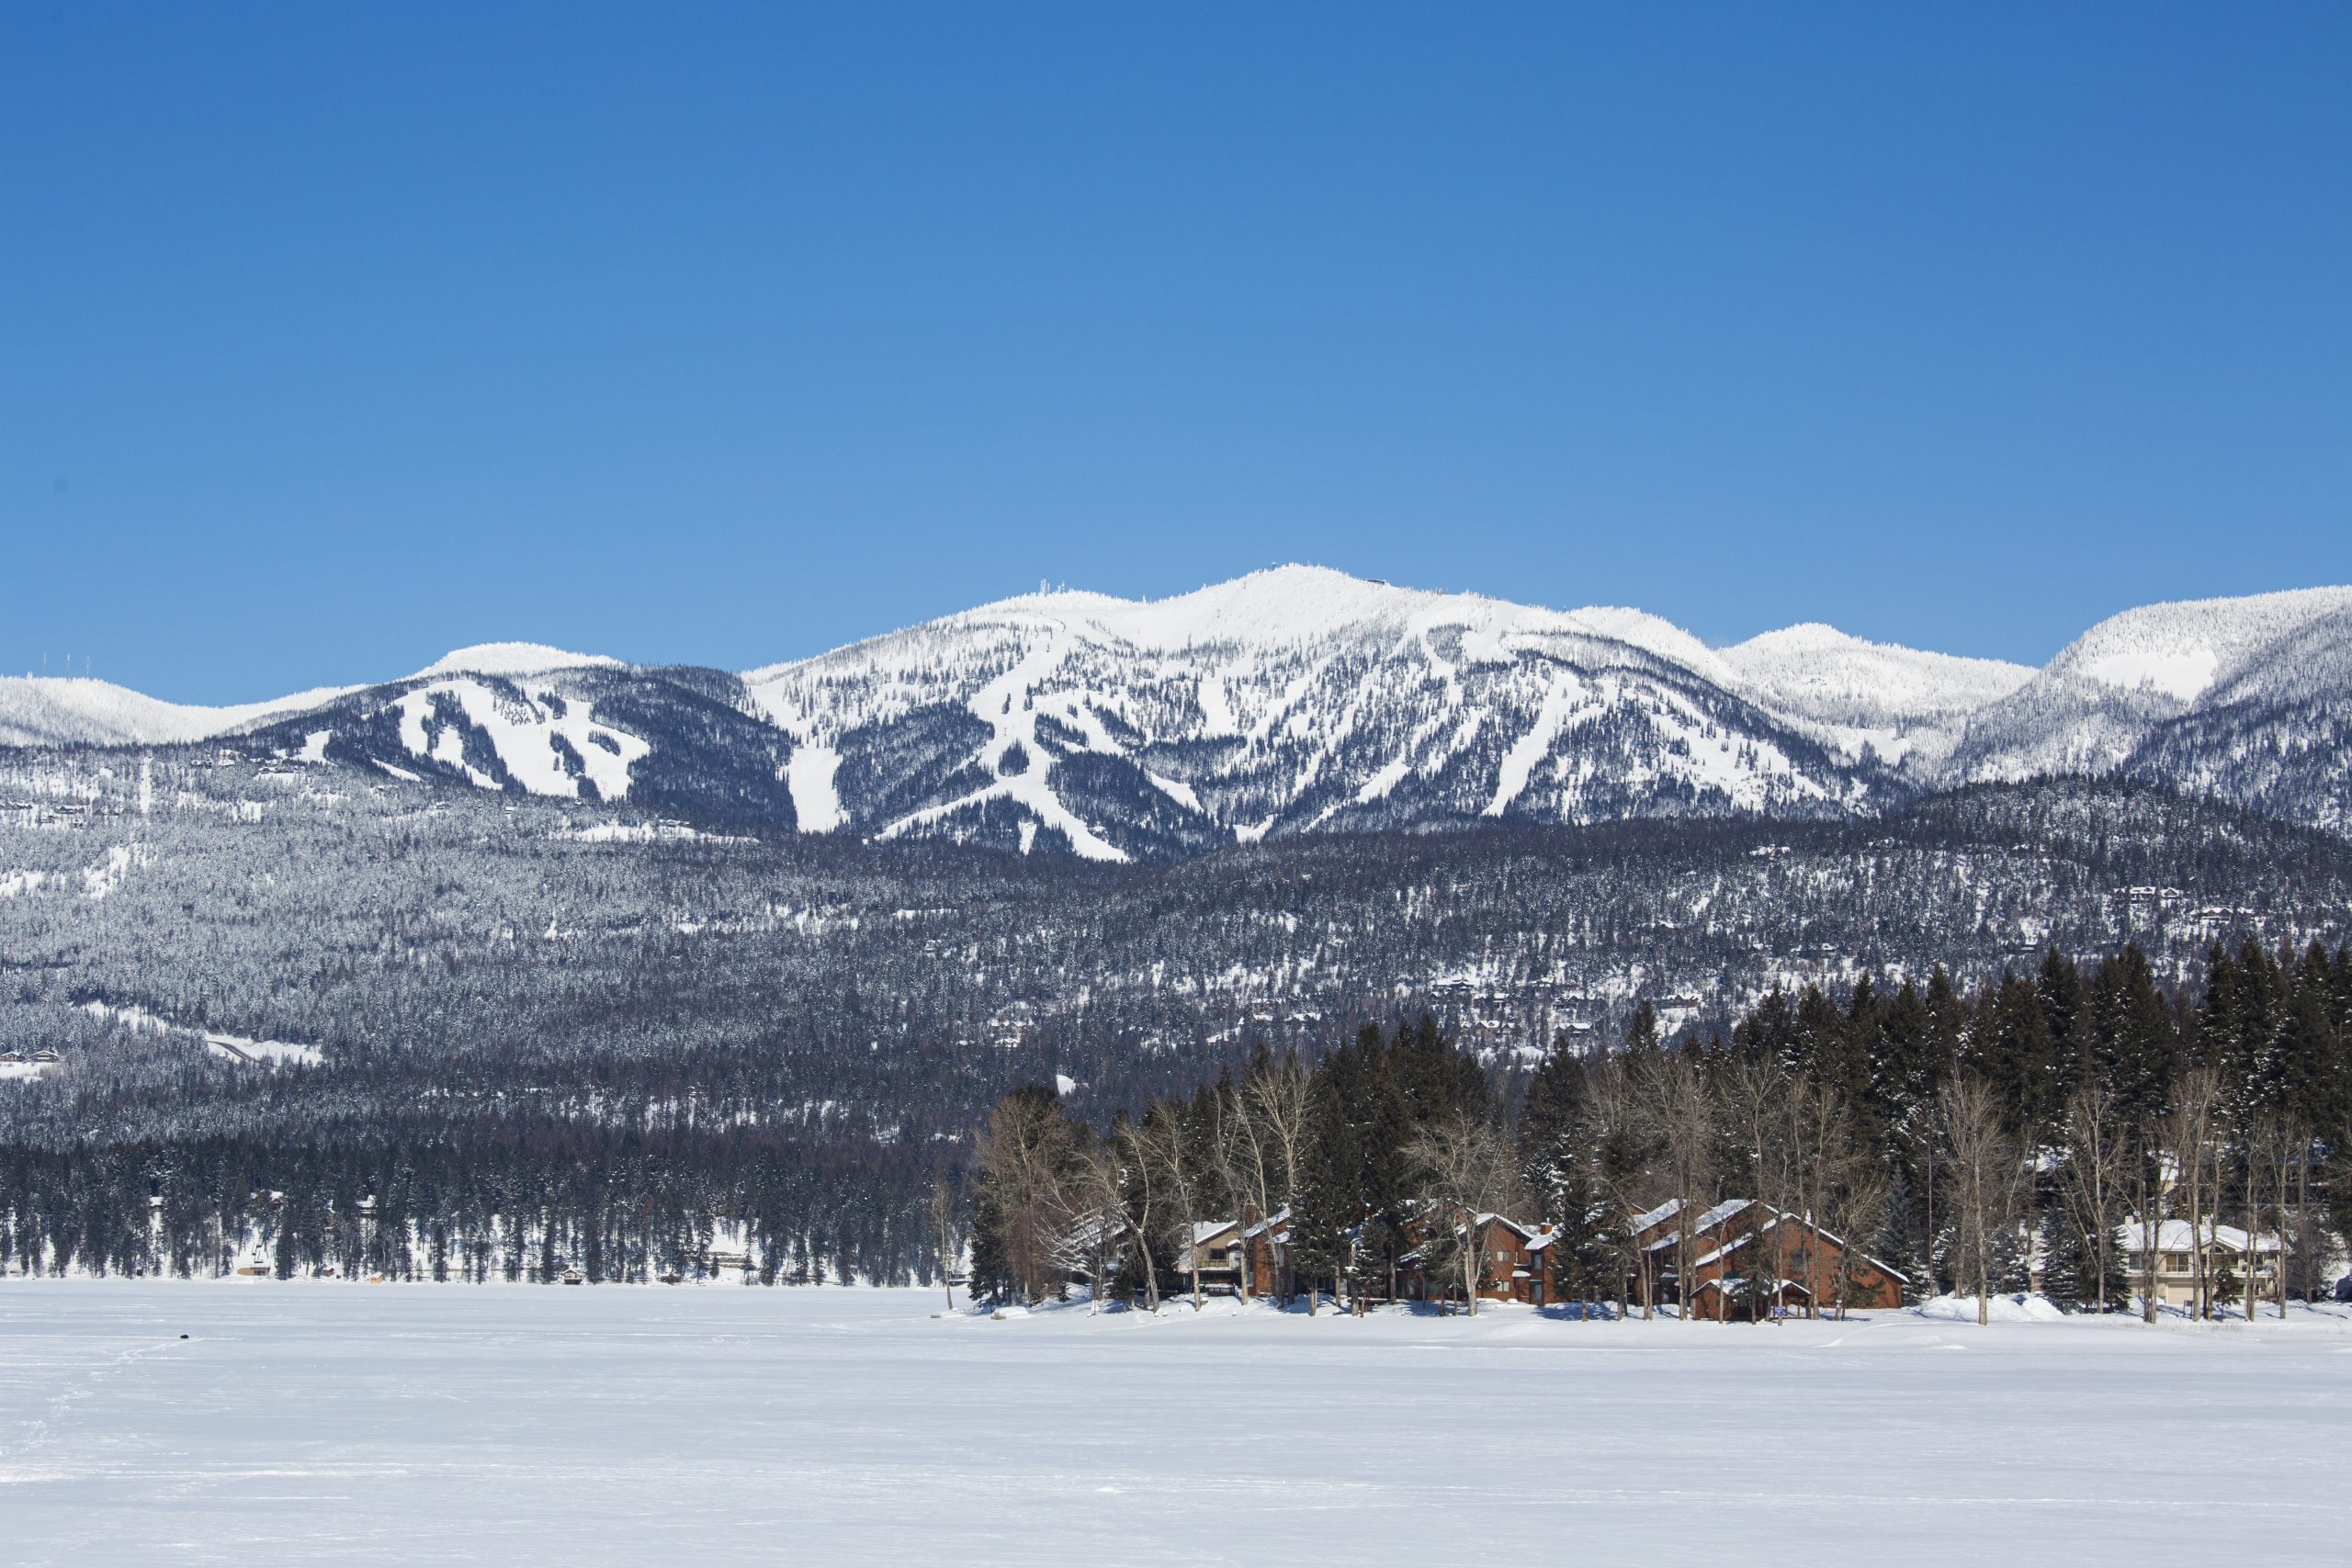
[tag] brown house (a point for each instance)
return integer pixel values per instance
(1268, 1242)
(1514, 1265)
(1748, 1260)
(1220, 1248)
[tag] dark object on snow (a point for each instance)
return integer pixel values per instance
(183, 1335)
(2344, 1289)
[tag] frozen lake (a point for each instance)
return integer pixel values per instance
(328, 1423)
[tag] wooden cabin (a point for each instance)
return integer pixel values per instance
(1748, 1260)
(1514, 1265)
(1220, 1247)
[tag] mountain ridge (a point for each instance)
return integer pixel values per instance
(1299, 699)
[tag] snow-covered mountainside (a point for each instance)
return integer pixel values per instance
(2112, 692)
(1300, 700)
(682, 743)
(1285, 702)
(1906, 706)
(37, 710)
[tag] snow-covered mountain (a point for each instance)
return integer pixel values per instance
(1906, 706)
(39, 710)
(1300, 699)
(1284, 701)
(2114, 691)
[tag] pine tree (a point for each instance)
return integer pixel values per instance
(2066, 1265)
(1558, 1163)
(1898, 1245)
(1642, 1033)
(1329, 1206)
(2020, 1058)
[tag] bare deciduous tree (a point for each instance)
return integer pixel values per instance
(1147, 1185)
(1160, 1141)
(1092, 1234)
(1022, 1155)
(1985, 1177)
(1467, 1169)
(2094, 1177)
(1853, 1200)
(1280, 1100)
(2189, 1136)
(1237, 1149)
(1683, 1112)
(946, 1235)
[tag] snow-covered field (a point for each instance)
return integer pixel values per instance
(329, 1423)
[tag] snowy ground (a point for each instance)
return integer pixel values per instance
(330, 1423)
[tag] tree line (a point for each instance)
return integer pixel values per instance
(527, 1201)
(1977, 1140)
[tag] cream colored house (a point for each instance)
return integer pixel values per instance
(1216, 1256)
(2225, 1247)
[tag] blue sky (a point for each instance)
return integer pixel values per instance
(336, 336)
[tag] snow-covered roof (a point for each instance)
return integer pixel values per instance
(1723, 1251)
(2173, 1235)
(1722, 1212)
(1488, 1217)
(1705, 1222)
(1739, 1282)
(1649, 1217)
(1733, 1206)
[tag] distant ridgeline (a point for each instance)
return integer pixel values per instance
(1301, 701)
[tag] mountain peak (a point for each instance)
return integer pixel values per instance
(1282, 604)
(513, 659)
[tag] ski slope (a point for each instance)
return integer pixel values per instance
(325, 1423)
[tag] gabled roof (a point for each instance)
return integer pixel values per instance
(2173, 1236)
(1490, 1218)
(1720, 1213)
(1777, 1217)
(1091, 1230)
(1649, 1217)
(1728, 1208)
